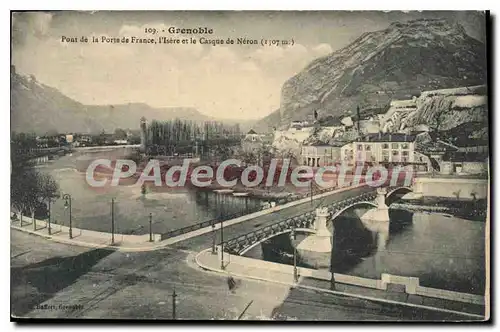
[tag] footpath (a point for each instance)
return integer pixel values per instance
(126, 242)
(390, 299)
(87, 238)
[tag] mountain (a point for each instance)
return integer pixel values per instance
(396, 63)
(39, 108)
(267, 123)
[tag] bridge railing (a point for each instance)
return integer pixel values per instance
(207, 223)
(352, 200)
(303, 220)
(203, 224)
(235, 245)
(280, 201)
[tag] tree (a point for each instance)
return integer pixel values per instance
(31, 189)
(120, 134)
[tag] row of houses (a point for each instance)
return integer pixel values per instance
(469, 155)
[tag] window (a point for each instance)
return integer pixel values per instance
(360, 147)
(404, 159)
(405, 153)
(395, 153)
(368, 148)
(395, 145)
(404, 146)
(385, 146)
(385, 158)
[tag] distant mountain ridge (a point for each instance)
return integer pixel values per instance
(395, 63)
(36, 107)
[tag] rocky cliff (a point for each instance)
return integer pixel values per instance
(396, 63)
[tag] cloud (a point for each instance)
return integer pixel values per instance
(322, 50)
(224, 81)
(27, 25)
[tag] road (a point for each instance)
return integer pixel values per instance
(53, 280)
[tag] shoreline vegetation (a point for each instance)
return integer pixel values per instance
(469, 209)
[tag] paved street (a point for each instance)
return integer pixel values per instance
(57, 280)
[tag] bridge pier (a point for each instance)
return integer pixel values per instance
(381, 212)
(316, 249)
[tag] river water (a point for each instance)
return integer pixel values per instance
(444, 252)
(171, 209)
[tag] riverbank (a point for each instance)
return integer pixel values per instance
(463, 208)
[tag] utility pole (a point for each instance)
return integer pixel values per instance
(295, 272)
(173, 305)
(67, 204)
(311, 189)
(150, 227)
(50, 230)
(222, 244)
(112, 220)
(222, 234)
(213, 238)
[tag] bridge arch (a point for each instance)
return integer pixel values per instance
(253, 245)
(339, 212)
(396, 194)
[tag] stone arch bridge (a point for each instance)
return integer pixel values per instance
(378, 200)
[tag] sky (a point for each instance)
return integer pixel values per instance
(223, 81)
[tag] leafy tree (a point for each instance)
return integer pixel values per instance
(30, 189)
(120, 133)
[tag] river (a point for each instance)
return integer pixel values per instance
(171, 209)
(443, 251)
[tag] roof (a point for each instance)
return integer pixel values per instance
(320, 143)
(388, 137)
(465, 156)
(469, 142)
(251, 132)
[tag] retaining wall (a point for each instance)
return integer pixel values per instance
(411, 283)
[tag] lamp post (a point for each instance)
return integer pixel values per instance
(295, 272)
(67, 204)
(213, 239)
(222, 235)
(311, 188)
(113, 220)
(49, 229)
(150, 227)
(174, 295)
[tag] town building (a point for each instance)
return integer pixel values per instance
(254, 141)
(320, 154)
(380, 148)
(252, 136)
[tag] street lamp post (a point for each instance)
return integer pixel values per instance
(295, 272)
(222, 235)
(174, 304)
(67, 204)
(113, 220)
(49, 229)
(311, 188)
(213, 239)
(150, 227)
(222, 244)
